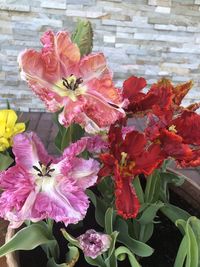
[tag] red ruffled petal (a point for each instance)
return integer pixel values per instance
(109, 163)
(173, 146)
(127, 203)
(149, 160)
(134, 143)
(180, 91)
(188, 125)
(132, 86)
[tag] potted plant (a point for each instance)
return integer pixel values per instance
(107, 161)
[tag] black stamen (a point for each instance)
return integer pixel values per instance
(37, 169)
(72, 85)
(46, 168)
(48, 165)
(113, 105)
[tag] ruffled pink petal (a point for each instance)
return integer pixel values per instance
(65, 163)
(101, 112)
(84, 172)
(105, 90)
(93, 144)
(68, 51)
(96, 144)
(64, 202)
(52, 100)
(72, 112)
(29, 150)
(34, 71)
(42, 68)
(19, 187)
(94, 66)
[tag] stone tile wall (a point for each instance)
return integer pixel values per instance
(150, 38)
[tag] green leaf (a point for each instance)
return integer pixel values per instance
(146, 231)
(5, 161)
(112, 246)
(51, 263)
(123, 250)
(137, 247)
(146, 221)
(174, 213)
(166, 179)
(29, 238)
(138, 189)
(72, 256)
(152, 189)
(83, 37)
(111, 260)
(106, 188)
(27, 124)
(190, 247)
(66, 135)
(70, 238)
(149, 213)
(195, 224)
(98, 261)
(109, 221)
(182, 252)
(100, 208)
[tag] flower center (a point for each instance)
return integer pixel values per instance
(44, 171)
(126, 165)
(72, 83)
(123, 159)
(172, 128)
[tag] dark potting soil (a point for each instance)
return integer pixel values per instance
(165, 241)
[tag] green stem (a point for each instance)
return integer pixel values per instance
(141, 234)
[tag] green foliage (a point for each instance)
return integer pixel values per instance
(146, 221)
(122, 251)
(138, 189)
(152, 189)
(100, 207)
(83, 37)
(5, 160)
(166, 179)
(106, 188)
(189, 250)
(66, 136)
(109, 221)
(174, 213)
(72, 257)
(70, 238)
(29, 238)
(139, 248)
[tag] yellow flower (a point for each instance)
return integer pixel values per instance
(9, 128)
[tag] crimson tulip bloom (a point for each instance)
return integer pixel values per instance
(130, 154)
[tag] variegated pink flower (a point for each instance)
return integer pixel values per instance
(94, 243)
(83, 87)
(40, 186)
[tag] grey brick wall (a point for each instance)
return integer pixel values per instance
(150, 38)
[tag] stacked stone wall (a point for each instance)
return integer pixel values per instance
(149, 38)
